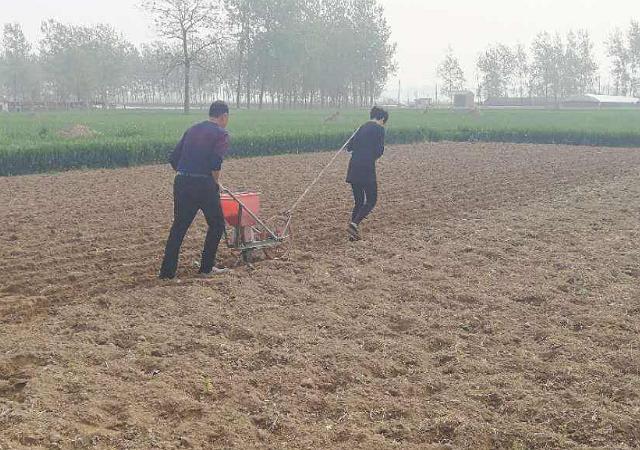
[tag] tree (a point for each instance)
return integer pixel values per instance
(547, 66)
(451, 74)
(587, 66)
(193, 23)
(570, 66)
(521, 71)
(286, 52)
(624, 52)
(561, 68)
(113, 61)
(633, 37)
(18, 71)
(85, 64)
(281, 51)
(247, 19)
(374, 50)
(496, 66)
(620, 58)
(65, 53)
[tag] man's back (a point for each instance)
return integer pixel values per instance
(201, 149)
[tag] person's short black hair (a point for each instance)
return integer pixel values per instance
(218, 108)
(379, 114)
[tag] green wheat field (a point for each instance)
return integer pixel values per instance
(37, 142)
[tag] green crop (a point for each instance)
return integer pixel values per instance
(31, 143)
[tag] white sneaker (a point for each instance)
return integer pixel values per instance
(215, 272)
(353, 231)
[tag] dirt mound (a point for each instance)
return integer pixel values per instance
(493, 304)
(77, 131)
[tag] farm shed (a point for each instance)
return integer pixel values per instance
(464, 99)
(599, 101)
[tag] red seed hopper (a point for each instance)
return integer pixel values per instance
(233, 209)
(249, 233)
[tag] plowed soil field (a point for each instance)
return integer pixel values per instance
(494, 303)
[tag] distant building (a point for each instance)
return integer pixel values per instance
(518, 102)
(10, 105)
(422, 103)
(599, 101)
(464, 100)
(390, 102)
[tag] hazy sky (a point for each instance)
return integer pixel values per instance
(422, 28)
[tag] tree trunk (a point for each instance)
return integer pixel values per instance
(187, 74)
(239, 85)
(187, 86)
(261, 93)
(248, 87)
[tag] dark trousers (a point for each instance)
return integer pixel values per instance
(365, 197)
(191, 195)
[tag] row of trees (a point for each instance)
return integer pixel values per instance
(254, 52)
(624, 52)
(554, 67)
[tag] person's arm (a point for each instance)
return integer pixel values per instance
(350, 144)
(380, 144)
(220, 149)
(176, 154)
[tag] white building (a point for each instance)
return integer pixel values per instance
(599, 101)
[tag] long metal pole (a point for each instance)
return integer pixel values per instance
(291, 210)
(315, 181)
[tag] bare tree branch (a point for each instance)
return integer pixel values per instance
(188, 22)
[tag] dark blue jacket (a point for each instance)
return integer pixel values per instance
(201, 149)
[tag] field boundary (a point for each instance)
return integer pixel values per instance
(82, 153)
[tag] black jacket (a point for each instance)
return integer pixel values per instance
(366, 147)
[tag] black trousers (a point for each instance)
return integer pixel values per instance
(191, 195)
(365, 197)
